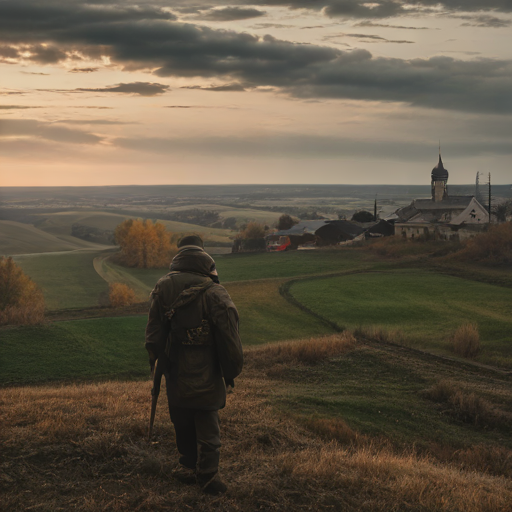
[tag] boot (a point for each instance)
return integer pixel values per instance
(211, 483)
(184, 474)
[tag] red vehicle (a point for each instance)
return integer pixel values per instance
(278, 243)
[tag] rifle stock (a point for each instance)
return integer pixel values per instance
(157, 380)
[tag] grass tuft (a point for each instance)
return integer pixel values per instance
(465, 341)
(310, 351)
(468, 406)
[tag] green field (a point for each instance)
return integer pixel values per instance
(68, 280)
(78, 349)
(425, 308)
(114, 347)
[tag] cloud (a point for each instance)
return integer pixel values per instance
(217, 88)
(484, 21)
(309, 146)
(230, 14)
(38, 129)
(365, 37)
(141, 88)
(17, 107)
(388, 8)
(83, 70)
(265, 26)
(385, 25)
(106, 122)
(172, 49)
(32, 73)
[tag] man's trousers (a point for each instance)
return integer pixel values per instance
(197, 438)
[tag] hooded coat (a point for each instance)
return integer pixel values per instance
(193, 329)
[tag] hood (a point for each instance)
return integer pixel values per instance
(191, 258)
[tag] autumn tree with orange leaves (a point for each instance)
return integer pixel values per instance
(21, 300)
(144, 244)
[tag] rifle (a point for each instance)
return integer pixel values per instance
(156, 373)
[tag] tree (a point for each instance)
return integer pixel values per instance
(21, 300)
(252, 231)
(286, 222)
(144, 244)
(362, 216)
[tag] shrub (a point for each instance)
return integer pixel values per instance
(120, 295)
(465, 341)
(493, 247)
(21, 300)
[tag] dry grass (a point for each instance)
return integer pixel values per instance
(465, 341)
(467, 406)
(309, 351)
(381, 334)
(84, 448)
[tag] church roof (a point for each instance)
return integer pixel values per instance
(439, 172)
(450, 203)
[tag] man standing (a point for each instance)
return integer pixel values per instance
(193, 332)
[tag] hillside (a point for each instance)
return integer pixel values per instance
(18, 238)
(288, 443)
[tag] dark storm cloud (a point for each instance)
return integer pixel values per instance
(387, 8)
(308, 146)
(484, 21)
(141, 88)
(230, 14)
(38, 129)
(171, 49)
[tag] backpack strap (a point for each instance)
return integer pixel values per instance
(187, 296)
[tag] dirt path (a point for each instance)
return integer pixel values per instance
(116, 275)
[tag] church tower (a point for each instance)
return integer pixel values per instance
(439, 181)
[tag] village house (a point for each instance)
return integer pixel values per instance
(442, 217)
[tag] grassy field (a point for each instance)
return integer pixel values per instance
(68, 280)
(422, 308)
(18, 238)
(114, 347)
(297, 435)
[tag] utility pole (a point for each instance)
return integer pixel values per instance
(375, 209)
(489, 198)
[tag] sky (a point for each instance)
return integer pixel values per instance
(146, 92)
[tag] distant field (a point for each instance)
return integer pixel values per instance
(18, 238)
(425, 308)
(60, 224)
(68, 280)
(114, 347)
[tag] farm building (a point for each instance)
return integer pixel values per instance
(313, 233)
(443, 217)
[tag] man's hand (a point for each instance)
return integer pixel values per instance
(152, 360)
